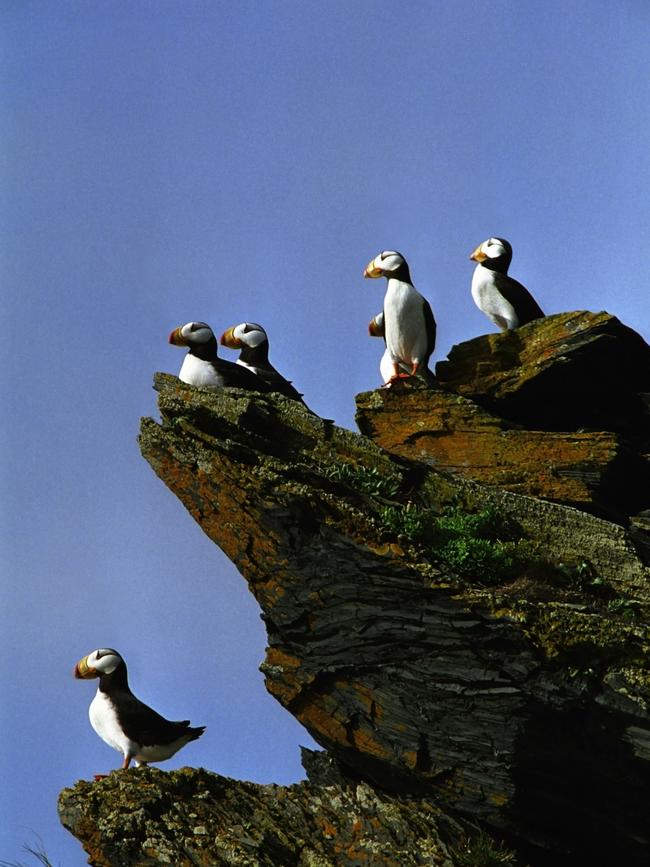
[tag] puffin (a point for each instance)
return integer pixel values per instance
(122, 720)
(252, 341)
(408, 322)
(503, 300)
(203, 367)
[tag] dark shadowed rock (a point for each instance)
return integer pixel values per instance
(563, 372)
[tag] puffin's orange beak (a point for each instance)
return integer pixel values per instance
(83, 671)
(228, 339)
(478, 255)
(375, 330)
(177, 338)
(372, 271)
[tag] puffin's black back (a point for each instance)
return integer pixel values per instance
(523, 302)
(237, 376)
(431, 327)
(138, 721)
(258, 357)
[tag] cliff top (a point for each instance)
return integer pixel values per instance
(443, 640)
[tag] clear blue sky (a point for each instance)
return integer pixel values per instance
(168, 161)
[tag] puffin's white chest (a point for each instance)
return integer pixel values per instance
(195, 371)
(489, 299)
(404, 324)
(103, 719)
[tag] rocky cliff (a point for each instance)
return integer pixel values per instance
(471, 651)
(557, 409)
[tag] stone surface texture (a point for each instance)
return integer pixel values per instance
(193, 817)
(444, 690)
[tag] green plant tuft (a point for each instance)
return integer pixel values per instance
(478, 545)
(627, 608)
(407, 521)
(368, 480)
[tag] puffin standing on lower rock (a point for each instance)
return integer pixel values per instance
(408, 322)
(123, 721)
(203, 367)
(503, 300)
(252, 341)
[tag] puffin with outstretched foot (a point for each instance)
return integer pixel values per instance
(409, 327)
(252, 341)
(123, 721)
(203, 367)
(503, 300)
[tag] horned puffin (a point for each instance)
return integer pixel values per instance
(122, 720)
(503, 300)
(408, 321)
(252, 341)
(203, 367)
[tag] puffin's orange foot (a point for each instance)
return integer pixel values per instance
(397, 376)
(395, 380)
(98, 777)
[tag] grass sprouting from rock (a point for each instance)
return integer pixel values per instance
(367, 480)
(482, 851)
(477, 544)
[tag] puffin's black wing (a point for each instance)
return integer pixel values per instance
(237, 376)
(144, 725)
(430, 325)
(526, 308)
(277, 382)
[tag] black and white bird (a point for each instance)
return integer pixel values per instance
(503, 300)
(122, 720)
(408, 322)
(253, 342)
(203, 367)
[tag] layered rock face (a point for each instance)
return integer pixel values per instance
(447, 642)
(558, 409)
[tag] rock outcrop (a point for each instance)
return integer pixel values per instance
(564, 372)
(558, 409)
(462, 652)
(192, 817)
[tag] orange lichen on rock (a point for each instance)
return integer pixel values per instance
(454, 434)
(551, 410)
(413, 676)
